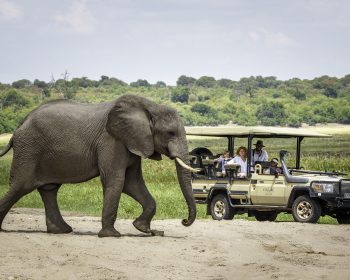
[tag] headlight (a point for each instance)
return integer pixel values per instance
(323, 187)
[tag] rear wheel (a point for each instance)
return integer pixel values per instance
(220, 208)
(262, 216)
(343, 218)
(306, 209)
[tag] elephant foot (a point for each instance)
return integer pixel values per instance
(109, 232)
(142, 226)
(51, 228)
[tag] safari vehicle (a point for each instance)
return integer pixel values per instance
(304, 193)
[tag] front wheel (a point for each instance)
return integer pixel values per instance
(306, 209)
(262, 216)
(343, 218)
(220, 208)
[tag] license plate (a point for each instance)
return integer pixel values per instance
(346, 195)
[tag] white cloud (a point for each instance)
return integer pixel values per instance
(9, 11)
(271, 39)
(78, 18)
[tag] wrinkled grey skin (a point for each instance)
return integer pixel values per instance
(66, 142)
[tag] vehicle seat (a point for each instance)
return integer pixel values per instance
(208, 165)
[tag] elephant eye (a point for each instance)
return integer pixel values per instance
(171, 133)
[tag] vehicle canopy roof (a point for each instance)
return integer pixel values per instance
(259, 131)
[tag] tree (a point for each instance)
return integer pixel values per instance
(180, 94)
(272, 113)
(22, 83)
(206, 81)
(202, 109)
(331, 91)
(160, 84)
(140, 83)
(12, 97)
(298, 94)
(185, 81)
(225, 83)
(40, 84)
(106, 81)
(67, 89)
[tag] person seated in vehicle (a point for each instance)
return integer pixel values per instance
(274, 169)
(222, 160)
(258, 154)
(241, 159)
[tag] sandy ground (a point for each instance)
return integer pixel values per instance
(208, 249)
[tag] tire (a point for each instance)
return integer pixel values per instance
(262, 216)
(343, 218)
(220, 208)
(306, 210)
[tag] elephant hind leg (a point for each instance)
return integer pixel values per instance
(10, 198)
(54, 220)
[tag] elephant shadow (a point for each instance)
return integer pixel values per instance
(89, 233)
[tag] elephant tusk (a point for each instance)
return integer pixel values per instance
(184, 165)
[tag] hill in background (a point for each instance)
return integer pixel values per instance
(204, 101)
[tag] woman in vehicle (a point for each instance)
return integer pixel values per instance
(241, 159)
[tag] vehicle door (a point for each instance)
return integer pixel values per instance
(267, 189)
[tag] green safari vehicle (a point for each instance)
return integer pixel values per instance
(306, 194)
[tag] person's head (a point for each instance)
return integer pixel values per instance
(259, 145)
(242, 152)
(274, 162)
(226, 154)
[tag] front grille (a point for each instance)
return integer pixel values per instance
(344, 186)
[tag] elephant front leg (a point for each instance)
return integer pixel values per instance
(112, 189)
(135, 187)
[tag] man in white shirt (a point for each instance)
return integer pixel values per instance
(258, 154)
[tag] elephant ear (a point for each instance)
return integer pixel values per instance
(130, 123)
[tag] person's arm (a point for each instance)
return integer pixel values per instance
(266, 156)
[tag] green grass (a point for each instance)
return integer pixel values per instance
(160, 177)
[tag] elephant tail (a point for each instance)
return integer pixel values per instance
(7, 148)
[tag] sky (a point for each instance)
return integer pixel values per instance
(160, 40)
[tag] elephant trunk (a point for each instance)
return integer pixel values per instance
(184, 177)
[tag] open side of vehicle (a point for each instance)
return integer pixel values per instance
(305, 194)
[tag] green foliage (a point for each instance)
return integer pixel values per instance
(225, 83)
(206, 81)
(140, 83)
(21, 83)
(14, 98)
(331, 92)
(206, 101)
(202, 109)
(186, 81)
(180, 94)
(298, 94)
(160, 84)
(272, 113)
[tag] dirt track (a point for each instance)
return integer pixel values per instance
(209, 249)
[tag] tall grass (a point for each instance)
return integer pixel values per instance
(160, 177)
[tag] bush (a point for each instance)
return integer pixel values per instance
(12, 97)
(22, 83)
(185, 81)
(140, 83)
(180, 94)
(272, 113)
(207, 82)
(202, 109)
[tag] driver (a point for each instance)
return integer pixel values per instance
(258, 154)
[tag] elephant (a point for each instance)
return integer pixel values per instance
(63, 141)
